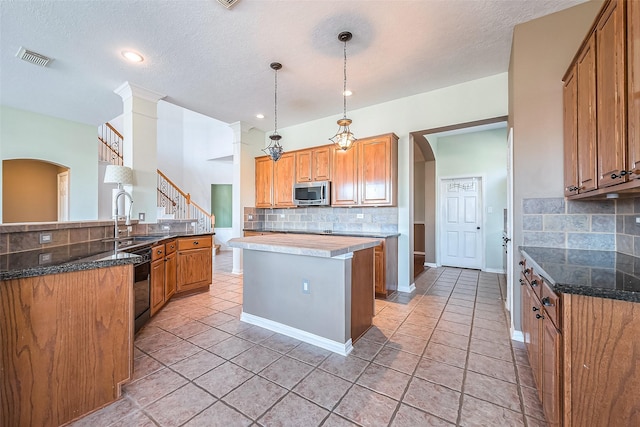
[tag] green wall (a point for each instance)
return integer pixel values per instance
(221, 204)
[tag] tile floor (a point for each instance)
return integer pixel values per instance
(438, 357)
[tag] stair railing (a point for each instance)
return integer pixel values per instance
(177, 202)
(109, 145)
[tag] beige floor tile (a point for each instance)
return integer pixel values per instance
(478, 413)
(309, 354)
(492, 367)
(453, 327)
(221, 380)
(256, 358)
(136, 418)
(488, 348)
(157, 341)
(365, 349)
(208, 338)
(440, 373)
(143, 366)
(397, 359)
(217, 319)
(293, 410)
(337, 421)
(322, 388)
(408, 416)
(384, 381)
(532, 405)
(154, 386)
(281, 343)
(108, 415)
(349, 367)
(190, 329)
(255, 334)
(408, 343)
(231, 347)
(286, 372)
(219, 415)
(172, 354)
(366, 407)
(445, 354)
(197, 364)
(433, 398)
(179, 406)
(493, 390)
(255, 397)
(450, 339)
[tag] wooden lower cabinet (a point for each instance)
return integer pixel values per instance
(386, 268)
(551, 371)
(170, 269)
(194, 263)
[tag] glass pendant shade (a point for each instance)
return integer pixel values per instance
(344, 138)
(275, 150)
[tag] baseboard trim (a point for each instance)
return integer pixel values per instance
(517, 335)
(299, 334)
(407, 289)
(237, 272)
(431, 264)
(495, 270)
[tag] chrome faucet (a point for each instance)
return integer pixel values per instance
(127, 222)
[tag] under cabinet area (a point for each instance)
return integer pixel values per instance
(386, 268)
(194, 270)
(602, 106)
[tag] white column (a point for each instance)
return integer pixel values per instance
(247, 143)
(140, 147)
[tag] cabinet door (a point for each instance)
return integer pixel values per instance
(380, 273)
(303, 166)
(170, 275)
(283, 180)
(570, 120)
(321, 164)
(586, 69)
(157, 285)
(376, 170)
(532, 313)
(610, 92)
(633, 87)
(344, 183)
(264, 182)
(194, 269)
(551, 372)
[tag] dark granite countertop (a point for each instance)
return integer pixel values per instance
(376, 235)
(79, 256)
(604, 274)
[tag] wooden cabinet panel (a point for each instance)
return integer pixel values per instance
(586, 70)
(303, 166)
(532, 335)
(551, 372)
(604, 371)
(344, 184)
(157, 285)
(611, 113)
(264, 182)
(633, 87)
(570, 107)
(377, 159)
(170, 275)
(194, 264)
(380, 274)
(283, 180)
(321, 163)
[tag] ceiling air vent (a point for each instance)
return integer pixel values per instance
(33, 57)
(228, 3)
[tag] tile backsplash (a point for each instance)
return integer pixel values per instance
(576, 224)
(366, 220)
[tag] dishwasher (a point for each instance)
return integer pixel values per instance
(141, 286)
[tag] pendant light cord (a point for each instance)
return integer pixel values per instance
(344, 90)
(275, 104)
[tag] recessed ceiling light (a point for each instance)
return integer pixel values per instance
(347, 93)
(260, 116)
(132, 56)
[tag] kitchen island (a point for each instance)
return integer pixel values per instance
(318, 289)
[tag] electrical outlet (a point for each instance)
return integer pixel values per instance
(305, 287)
(141, 216)
(45, 258)
(281, 215)
(45, 238)
(638, 220)
(250, 217)
(360, 216)
(166, 228)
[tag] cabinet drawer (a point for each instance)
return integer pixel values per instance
(194, 243)
(552, 304)
(157, 252)
(536, 283)
(170, 247)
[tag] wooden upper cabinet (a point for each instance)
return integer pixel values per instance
(611, 107)
(378, 170)
(570, 107)
(314, 164)
(344, 183)
(586, 98)
(283, 180)
(264, 182)
(633, 87)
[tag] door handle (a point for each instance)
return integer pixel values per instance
(477, 228)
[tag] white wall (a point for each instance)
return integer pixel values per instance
(27, 135)
(481, 154)
(469, 101)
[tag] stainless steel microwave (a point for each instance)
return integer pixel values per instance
(314, 193)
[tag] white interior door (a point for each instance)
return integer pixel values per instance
(507, 238)
(461, 222)
(63, 196)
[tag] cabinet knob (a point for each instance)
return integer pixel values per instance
(546, 302)
(196, 242)
(534, 283)
(521, 263)
(527, 270)
(534, 308)
(621, 175)
(572, 188)
(521, 282)
(539, 316)
(159, 251)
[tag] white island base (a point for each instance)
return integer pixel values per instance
(313, 295)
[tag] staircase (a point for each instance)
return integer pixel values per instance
(173, 203)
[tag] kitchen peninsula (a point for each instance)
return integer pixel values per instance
(316, 288)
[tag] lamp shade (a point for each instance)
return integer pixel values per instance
(115, 174)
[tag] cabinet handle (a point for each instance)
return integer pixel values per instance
(534, 283)
(521, 263)
(622, 174)
(534, 308)
(546, 302)
(527, 270)
(539, 316)
(521, 282)
(196, 242)
(159, 251)
(572, 188)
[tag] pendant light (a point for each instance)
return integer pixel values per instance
(344, 139)
(275, 150)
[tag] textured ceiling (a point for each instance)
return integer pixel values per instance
(216, 61)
